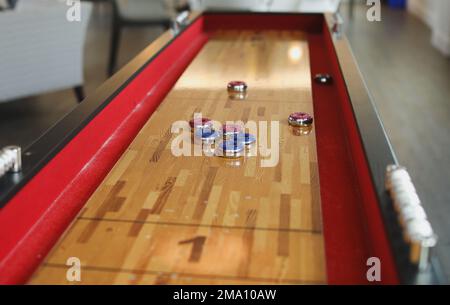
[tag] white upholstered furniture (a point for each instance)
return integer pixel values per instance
(129, 13)
(306, 6)
(41, 50)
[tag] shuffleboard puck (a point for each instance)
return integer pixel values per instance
(300, 119)
(237, 90)
(200, 123)
(323, 79)
(231, 130)
(237, 86)
(245, 138)
(230, 149)
(207, 135)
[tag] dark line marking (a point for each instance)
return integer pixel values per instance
(182, 274)
(197, 225)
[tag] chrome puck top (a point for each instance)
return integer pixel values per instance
(237, 86)
(207, 135)
(231, 130)
(323, 78)
(300, 119)
(200, 123)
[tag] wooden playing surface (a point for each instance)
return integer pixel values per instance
(157, 218)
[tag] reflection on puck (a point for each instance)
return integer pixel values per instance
(323, 79)
(300, 119)
(237, 90)
(301, 130)
(231, 130)
(245, 138)
(200, 123)
(237, 86)
(207, 135)
(230, 149)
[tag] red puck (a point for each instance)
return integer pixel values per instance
(300, 119)
(231, 130)
(237, 86)
(200, 123)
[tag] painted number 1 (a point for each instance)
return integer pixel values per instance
(197, 247)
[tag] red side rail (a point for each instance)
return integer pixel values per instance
(353, 226)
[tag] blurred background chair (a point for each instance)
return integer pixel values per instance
(306, 6)
(132, 13)
(41, 50)
(238, 5)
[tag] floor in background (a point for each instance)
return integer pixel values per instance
(408, 79)
(410, 84)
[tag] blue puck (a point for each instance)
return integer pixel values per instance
(230, 149)
(207, 135)
(246, 138)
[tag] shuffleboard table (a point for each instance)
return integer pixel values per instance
(104, 185)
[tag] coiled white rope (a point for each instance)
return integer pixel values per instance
(417, 230)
